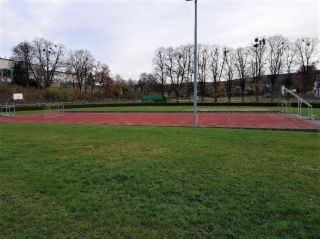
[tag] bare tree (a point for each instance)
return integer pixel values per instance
(276, 46)
(142, 82)
(202, 69)
(229, 71)
(181, 59)
(91, 81)
(241, 64)
(289, 61)
(216, 64)
(151, 83)
(257, 63)
(189, 74)
(80, 62)
(132, 89)
(147, 83)
(176, 65)
(102, 75)
(169, 62)
(47, 60)
(159, 63)
(121, 86)
(306, 50)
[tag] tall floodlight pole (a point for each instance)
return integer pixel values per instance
(195, 64)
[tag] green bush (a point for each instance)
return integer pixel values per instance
(57, 94)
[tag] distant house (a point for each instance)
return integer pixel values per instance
(7, 74)
(6, 70)
(63, 78)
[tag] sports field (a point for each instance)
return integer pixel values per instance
(93, 181)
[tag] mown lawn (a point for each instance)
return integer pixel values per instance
(175, 108)
(85, 181)
(157, 108)
(316, 111)
(294, 110)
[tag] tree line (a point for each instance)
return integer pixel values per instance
(38, 62)
(220, 69)
(222, 66)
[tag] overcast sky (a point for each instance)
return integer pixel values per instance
(126, 33)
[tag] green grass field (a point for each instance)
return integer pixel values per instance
(159, 108)
(316, 111)
(86, 181)
(175, 108)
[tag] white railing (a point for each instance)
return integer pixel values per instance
(301, 101)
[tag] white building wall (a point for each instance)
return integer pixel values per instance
(6, 70)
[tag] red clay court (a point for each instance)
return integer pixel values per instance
(272, 121)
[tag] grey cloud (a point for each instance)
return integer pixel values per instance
(125, 33)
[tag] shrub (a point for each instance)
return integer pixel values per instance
(57, 94)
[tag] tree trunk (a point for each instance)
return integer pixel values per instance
(177, 97)
(215, 88)
(257, 90)
(242, 89)
(272, 88)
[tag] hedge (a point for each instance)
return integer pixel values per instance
(95, 105)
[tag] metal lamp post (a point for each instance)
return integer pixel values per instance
(195, 71)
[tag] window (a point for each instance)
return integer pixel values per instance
(6, 73)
